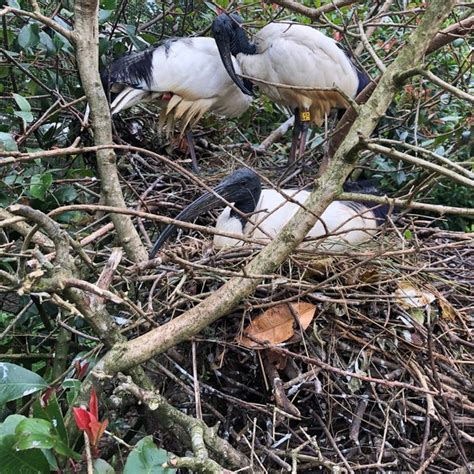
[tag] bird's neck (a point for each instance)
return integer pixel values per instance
(241, 44)
(364, 79)
(246, 205)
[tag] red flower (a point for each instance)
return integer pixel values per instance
(88, 421)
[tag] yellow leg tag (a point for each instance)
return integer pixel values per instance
(305, 116)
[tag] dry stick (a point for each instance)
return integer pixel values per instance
(86, 34)
(436, 80)
(41, 18)
(332, 441)
(368, 47)
(328, 186)
(399, 202)
(419, 162)
(153, 217)
(454, 429)
(346, 373)
(433, 455)
(197, 393)
(171, 417)
(429, 153)
(313, 13)
(371, 29)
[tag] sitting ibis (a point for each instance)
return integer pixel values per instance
(293, 61)
(187, 77)
(261, 214)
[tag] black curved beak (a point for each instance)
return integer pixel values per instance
(202, 204)
(223, 45)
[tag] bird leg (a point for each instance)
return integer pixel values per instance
(192, 152)
(304, 132)
(295, 136)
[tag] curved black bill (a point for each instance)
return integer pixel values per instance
(223, 45)
(202, 204)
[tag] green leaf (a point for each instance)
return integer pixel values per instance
(7, 142)
(66, 193)
(102, 467)
(136, 41)
(104, 15)
(26, 116)
(14, 4)
(30, 461)
(407, 234)
(39, 184)
(39, 433)
(147, 458)
(29, 36)
(4, 71)
(8, 427)
(47, 42)
(17, 382)
(22, 103)
(31, 426)
(34, 441)
(108, 4)
(52, 413)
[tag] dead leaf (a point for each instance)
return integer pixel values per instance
(410, 297)
(447, 310)
(276, 324)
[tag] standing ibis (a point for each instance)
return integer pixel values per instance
(186, 75)
(297, 60)
(261, 214)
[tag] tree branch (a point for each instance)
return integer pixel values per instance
(420, 162)
(87, 36)
(436, 80)
(313, 13)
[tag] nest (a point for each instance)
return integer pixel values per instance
(379, 380)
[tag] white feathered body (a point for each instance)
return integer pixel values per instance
(298, 55)
(353, 223)
(187, 76)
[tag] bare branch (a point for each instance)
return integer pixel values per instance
(41, 18)
(87, 50)
(313, 13)
(420, 162)
(436, 80)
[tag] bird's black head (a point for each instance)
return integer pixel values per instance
(231, 40)
(242, 188)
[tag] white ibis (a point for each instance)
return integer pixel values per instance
(261, 214)
(185, 74)
(291, 55)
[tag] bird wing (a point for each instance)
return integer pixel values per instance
(189, 68)
(298, 55)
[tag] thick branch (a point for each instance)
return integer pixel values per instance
(51, 228)
(170, 418)
(87, 36)
(446, 36)
(18, 225)
(328, 186)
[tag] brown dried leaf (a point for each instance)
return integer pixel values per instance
(410, 297)
(276, 324)
(447, 310)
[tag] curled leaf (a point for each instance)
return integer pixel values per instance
(277, 324)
